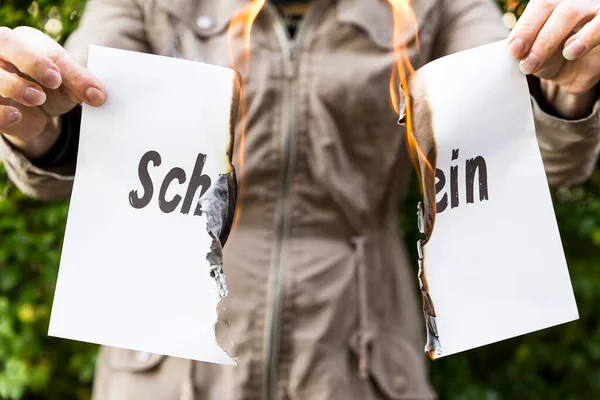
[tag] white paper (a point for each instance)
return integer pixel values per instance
(139, 278)
(495, 267)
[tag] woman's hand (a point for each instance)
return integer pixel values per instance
(39, 82)
(558, 41)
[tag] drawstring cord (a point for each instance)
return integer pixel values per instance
(364, 330)
(187, 387)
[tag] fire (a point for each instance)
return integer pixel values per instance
(402, 71)
(403, 14)
(242, 20)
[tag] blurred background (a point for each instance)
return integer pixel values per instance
(557, 363)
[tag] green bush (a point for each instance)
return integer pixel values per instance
(31, 362)
(33, 365)
(558, 363)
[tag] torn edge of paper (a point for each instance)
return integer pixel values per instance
(433, 346)
(219, 206)
(423, 150)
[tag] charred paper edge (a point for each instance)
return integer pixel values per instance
(215, 255)
(433, 346)
(426, 211)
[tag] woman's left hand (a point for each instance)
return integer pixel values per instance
(559, 42)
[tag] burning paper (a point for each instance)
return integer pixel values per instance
(152, 205)
(492, 265)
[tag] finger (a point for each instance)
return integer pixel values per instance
(5, 65)
(579, 77)
(78, 80)
(81, 82)
(32, 122)
(59, 101)
(68, 93)
(21, 90)
(583, 41)
(556, 30)
(39, 67)
(553, 67)
(527, 28)
(9, 117)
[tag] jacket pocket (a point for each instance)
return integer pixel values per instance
(396, 369)
(132, 361)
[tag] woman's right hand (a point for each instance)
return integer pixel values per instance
(39, 82)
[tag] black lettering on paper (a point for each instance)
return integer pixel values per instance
(197, 180)
(144, 175)
(170, 205)
(474, 165)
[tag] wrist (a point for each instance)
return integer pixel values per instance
(567, 105)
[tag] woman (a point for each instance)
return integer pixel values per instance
(321, 303)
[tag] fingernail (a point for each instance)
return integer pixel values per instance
(529, 65)
(14, 117)
(51, 78)
(516, 48)
(94, 96)
(34, 96)
(574, 50)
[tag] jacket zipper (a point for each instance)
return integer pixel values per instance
(272, 335)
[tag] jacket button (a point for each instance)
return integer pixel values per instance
(204, 22)
(142, 356)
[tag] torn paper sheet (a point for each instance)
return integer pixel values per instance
(492, 263)
(152, 205)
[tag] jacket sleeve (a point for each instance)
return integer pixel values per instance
(111, 23)
(569, 148)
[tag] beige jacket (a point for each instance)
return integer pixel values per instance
(316, 267)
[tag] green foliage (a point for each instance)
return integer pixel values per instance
(57, 18)
(557, 363)
(33, 365)
(30, 361)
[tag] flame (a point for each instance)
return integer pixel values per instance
(244, 19)
(404, 15)
(402, 71)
